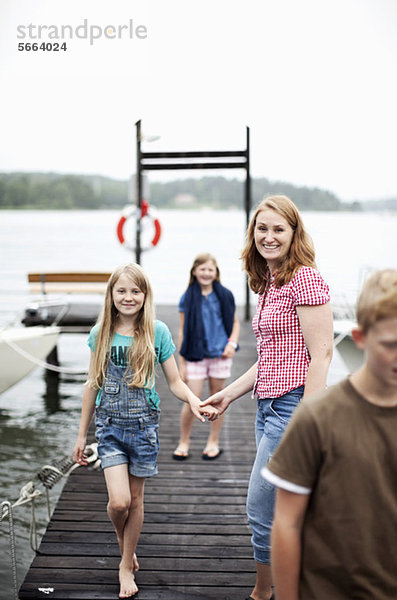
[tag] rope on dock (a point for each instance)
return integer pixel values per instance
(6, 509)
(42, 363)
(48, 476)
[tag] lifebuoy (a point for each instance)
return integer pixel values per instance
(148, 214)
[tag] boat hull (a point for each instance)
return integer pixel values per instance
(16, 344)
(68, 310)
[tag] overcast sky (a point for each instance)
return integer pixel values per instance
(315, 80)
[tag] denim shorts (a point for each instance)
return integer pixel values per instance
(135, 443)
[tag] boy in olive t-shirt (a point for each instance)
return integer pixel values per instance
(335, 526)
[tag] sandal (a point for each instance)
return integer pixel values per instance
(180, 454)
(206, 456)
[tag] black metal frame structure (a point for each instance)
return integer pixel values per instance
(165, 161)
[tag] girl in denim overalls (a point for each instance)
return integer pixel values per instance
(126, 345)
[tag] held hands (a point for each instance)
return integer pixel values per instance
(209, 412)
(218, 401)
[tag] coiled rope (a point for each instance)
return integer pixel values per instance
(48, 476)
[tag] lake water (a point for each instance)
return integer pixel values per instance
(39, 418)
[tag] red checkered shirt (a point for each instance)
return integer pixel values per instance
(283, 358)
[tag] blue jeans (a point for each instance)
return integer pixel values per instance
(272, 418)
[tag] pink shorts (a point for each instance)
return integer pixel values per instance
(216, 368)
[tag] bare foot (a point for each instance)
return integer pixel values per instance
(134, 566)
(128, 587)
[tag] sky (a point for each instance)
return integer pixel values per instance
(313, 79)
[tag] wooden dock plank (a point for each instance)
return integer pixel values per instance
(150, 527)
(145, 550)
(168, 563)
(195, 542)
(84, 591)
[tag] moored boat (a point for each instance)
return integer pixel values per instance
(72, 300)
(22, 349)
(67, 310)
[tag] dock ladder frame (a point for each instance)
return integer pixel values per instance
(156, 161)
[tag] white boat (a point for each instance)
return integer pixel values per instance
(21, 350)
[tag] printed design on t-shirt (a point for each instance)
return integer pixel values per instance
(119, 355)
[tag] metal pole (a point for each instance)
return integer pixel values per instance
(247, 218)
(138, 189)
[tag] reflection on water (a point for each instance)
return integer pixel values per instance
(51, 396)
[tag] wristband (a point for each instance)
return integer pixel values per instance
(234, 344)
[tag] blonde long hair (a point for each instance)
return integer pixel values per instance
(141, 353)
(301, 252)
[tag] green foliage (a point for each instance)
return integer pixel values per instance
(216, 192)
(304, 197)
(219, 192)
(57, 191)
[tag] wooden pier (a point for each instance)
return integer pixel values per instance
(195, 542)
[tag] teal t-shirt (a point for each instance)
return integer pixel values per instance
(163, 345)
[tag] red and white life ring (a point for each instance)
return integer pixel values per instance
(148, 216)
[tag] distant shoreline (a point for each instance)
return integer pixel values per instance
(55, 191)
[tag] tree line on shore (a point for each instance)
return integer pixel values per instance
(68, 191)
